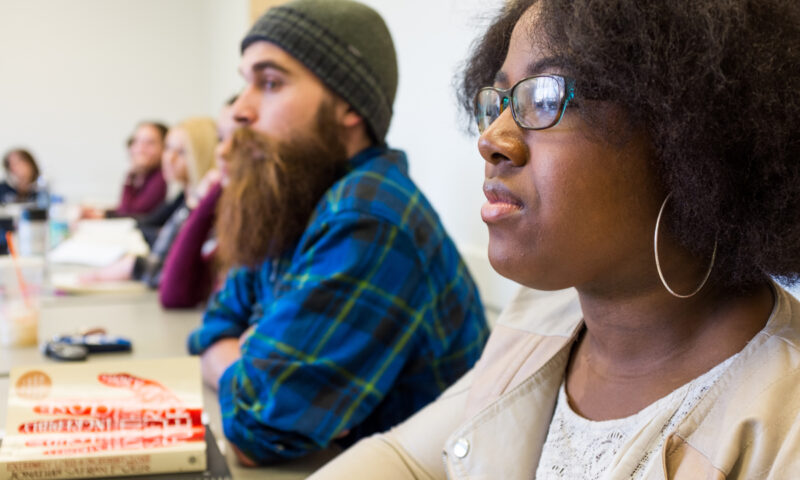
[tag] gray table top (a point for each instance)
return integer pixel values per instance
(155, 333)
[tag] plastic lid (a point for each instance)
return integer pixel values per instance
(34, 214)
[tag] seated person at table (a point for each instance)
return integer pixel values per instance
(21, 174)
(643, 157)
(349, 307)
(190, 272)
(144, 189)
(187, 159)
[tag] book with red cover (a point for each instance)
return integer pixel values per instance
(108, 419)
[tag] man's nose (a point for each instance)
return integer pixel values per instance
(245, 109)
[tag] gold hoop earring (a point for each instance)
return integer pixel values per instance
(658, 263)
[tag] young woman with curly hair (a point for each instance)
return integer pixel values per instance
(642, 158)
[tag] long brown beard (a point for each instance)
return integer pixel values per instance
(273, 189)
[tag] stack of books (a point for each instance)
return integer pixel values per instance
(132, 418)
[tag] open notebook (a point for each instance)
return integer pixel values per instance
(70, 283)
(99, 243)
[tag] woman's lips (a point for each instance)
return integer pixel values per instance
(501, 203)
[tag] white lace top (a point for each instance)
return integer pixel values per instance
(577, 448)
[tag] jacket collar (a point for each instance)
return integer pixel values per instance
(524, 364)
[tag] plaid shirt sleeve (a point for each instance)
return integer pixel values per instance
(331, 344)
(228, 311)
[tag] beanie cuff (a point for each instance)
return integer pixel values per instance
(338, 65)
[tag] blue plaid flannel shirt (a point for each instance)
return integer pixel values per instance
(370, 318)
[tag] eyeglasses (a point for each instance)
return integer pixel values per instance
(537, 102)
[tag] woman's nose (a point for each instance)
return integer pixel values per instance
(503, 141)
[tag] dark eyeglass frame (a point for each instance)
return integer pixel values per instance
(566, 93)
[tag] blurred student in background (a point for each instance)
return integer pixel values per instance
(187, 158)
(21, 174)
(189, 272)
(145, 188)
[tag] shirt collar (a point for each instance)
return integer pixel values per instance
(394, 156)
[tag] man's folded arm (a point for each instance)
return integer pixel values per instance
(227, 313)
(329, 349)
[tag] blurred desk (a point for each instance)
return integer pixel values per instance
(155, 333)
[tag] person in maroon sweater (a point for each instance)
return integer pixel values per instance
(144, 189)
(188, 158)
(189, 276)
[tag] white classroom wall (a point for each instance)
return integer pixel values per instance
(75, 76)
(432, 39)
(228, 21)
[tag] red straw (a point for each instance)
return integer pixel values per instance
(22, 286)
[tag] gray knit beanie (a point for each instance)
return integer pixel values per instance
(346, 44)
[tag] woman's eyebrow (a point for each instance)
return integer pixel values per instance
(540, 66)
(544, 65)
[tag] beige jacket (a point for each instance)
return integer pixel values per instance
(492, 423)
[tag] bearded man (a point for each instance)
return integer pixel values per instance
(347, 307)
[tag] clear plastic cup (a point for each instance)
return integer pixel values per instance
(19, 312)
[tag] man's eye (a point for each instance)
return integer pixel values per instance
(271, 84)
